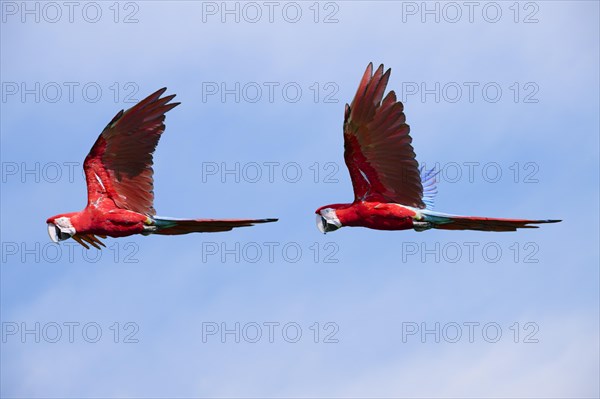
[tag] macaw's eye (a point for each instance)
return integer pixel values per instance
(56, 234)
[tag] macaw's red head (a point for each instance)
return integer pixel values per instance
(327, 219)
(60, 227)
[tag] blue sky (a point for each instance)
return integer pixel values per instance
(366, 289)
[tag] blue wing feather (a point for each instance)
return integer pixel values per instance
(429, 182)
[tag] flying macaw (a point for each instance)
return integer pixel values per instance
(118, 172)
(390, 191)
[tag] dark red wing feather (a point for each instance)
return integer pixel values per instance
(378, 150)
(119, 165)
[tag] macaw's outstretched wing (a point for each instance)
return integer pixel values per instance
(378, 150)
(119, 165)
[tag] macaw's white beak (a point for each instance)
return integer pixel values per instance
(327, 221)
(56, 234)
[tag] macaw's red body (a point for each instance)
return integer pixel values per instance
(390, 191)
(118, 172)
(374, 215)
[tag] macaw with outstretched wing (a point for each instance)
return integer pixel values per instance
(391, 192)
(118, 172)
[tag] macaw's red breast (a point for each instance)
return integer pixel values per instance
(377, 215)
(114, 223)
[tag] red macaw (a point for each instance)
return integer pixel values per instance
(390, 191)
(118, 172)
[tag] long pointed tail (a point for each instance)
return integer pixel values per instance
(169, 226)
(454, 222)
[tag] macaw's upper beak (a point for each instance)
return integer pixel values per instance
(321, 223)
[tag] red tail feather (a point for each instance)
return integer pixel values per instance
(489, 224)
(182, 226)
